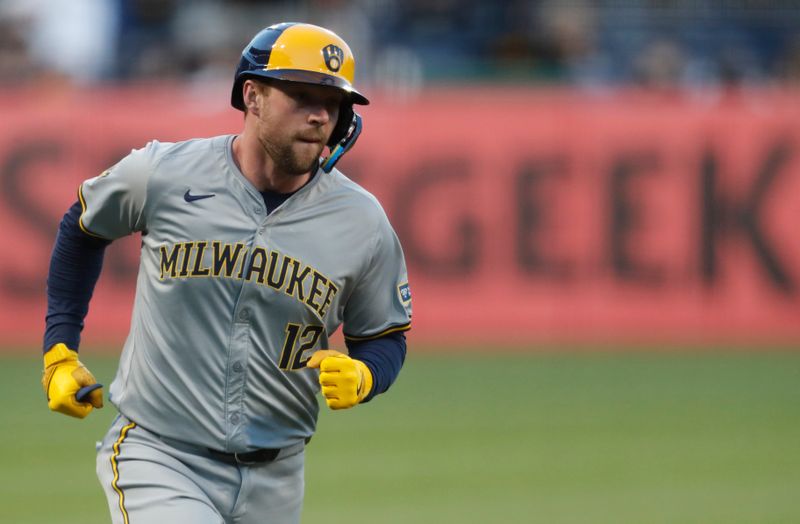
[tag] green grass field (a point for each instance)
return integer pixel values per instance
(485, 438)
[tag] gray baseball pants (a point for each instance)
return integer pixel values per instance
(148, 479)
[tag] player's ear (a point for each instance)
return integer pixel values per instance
(250, 95)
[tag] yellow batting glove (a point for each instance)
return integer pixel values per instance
(65, 380)
(345, 381)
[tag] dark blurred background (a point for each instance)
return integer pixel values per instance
(407, 45)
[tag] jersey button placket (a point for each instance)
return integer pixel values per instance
(236, 377)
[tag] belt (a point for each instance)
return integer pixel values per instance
(258, 456)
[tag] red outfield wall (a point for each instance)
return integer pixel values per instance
(525, 216)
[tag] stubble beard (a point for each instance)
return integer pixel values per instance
(286, 159)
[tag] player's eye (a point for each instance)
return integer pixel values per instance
(333, 108)
(300, 97)
(330, 103)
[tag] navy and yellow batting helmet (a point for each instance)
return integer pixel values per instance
(298, 53)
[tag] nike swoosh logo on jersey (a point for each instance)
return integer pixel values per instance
(191, 198)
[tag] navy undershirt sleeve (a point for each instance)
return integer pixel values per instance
(383, 356)
(74, 269)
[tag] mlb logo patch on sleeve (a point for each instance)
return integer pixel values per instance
(405, 292)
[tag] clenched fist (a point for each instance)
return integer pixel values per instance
(345, 381)
(65, 379)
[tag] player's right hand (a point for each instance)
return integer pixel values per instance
(64, 375)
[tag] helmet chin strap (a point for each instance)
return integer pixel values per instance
(344, 144)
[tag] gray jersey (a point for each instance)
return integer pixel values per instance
(231, 302)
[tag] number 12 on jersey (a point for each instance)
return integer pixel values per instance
(299, 339)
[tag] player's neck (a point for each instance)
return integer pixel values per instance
(259, 168)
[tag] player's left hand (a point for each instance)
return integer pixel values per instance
(345, 381)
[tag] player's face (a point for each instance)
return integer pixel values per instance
(296, 121)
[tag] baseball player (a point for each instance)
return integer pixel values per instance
(255, 249)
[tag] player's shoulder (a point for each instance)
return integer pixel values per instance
(156, 152)
(167, 164)
(358, 199)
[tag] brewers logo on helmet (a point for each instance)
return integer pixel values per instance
(333, 57)
(298, 53)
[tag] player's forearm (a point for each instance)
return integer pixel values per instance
(383, 356)
(75, 266)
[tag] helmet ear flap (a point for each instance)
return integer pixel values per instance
(342, 124)
(351, 123)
